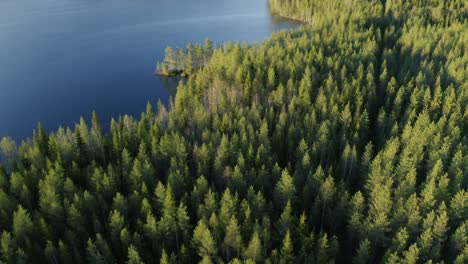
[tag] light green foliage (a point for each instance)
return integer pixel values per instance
(133, 256)
(287, 250)
(285, 190)
(203, 240)
(254, 249)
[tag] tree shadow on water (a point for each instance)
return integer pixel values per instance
(171, 83)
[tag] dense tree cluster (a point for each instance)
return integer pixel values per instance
(343, 140)
(185, 61)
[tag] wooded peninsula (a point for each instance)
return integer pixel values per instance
(185, 62)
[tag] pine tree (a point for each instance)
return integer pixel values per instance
(363, 254)
(287, 250)
(23, 226)
(133, 256)
(93, 254)
(7, 247)
(9, 153)
(411, 256)
(228, 208)
(168, 222)
(254, 249)
(41, 139)
(233, 238)
(285, 190)
(203, 240)
(286, 220)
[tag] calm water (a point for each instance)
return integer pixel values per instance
(61, 59)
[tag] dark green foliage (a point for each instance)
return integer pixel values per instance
(342, 141)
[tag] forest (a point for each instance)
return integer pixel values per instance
(184, 62)
(344, 141)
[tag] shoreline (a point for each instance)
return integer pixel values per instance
(295, 19)
(174, 73)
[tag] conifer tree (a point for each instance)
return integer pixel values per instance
(254, 249)
(287, 249)
(203, 240)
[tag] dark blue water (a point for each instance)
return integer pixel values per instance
(62, 59)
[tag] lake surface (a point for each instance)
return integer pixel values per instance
(62, 59)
